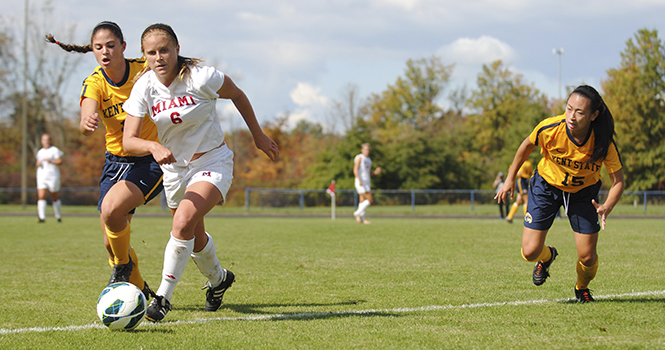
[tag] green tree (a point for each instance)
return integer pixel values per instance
(411, 101)
(507, 110)
(635, 94)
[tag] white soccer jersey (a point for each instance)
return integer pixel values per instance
(48, 170)
(185, 112)
(364, 168)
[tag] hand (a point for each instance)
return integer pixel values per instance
(602, 211)
(377, 171)
(505, 190)
(90, 122)
(162, 155)
(268, 146)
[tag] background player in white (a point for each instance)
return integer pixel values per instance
(49, 159)
(362, 170)
(180, 97)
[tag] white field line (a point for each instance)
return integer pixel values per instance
(305, 315)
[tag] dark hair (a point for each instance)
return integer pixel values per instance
(603, 125)
(108, 25)
(185, 63)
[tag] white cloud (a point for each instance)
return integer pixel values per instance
(307, 95)
(485, 49)
(404, 4)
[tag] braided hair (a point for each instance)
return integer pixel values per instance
(108, 25)
(603, 125)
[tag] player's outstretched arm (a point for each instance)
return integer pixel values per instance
(616, 190)
(230, 91)
(508, 189)
(89, 117)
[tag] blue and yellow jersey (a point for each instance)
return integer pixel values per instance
(566, 164)
(110, 97)
(526, 170)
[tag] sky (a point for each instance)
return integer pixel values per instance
(296, 57)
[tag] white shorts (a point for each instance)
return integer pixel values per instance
(215, 167)
(361, 189)
(52, 183)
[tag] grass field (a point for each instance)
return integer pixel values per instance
(310, 282)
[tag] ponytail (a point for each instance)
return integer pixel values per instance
(108, 25)
(69, 47)
(602, 126)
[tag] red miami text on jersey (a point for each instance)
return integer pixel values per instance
(176, 102)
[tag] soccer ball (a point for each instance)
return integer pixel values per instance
(121, 306)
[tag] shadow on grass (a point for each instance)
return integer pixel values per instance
(258, 312)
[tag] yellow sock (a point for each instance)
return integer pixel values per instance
(111, 262)
(585, 274)
(513, 210)
(524, 207)
(545, 255)
(119, 242)
(135, 278)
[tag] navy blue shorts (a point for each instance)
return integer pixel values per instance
(144, 172)
(522, 185)
(545, 201)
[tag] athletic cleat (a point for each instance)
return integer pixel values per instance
(542, 269)
(510, 221)
(122, 272)
(59, 219)
(214, 295)
(158, 308)
(147, 292)
(41, 221)
(583, 296)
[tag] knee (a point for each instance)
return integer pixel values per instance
(111, 211)
(183, 227)
(588, 259)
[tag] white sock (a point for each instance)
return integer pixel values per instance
(208, 263)
(362, 207)
(56, 209)
(176, 256)
(41, 209)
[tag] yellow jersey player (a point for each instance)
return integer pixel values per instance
(522, 184)
(574, 147)
(127, 181)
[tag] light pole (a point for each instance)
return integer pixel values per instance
(559, 52)
(24, 116)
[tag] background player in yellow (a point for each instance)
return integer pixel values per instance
(127, 181)
(574, 147)
(522, 184)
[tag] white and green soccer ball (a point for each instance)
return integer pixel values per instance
(121, 306)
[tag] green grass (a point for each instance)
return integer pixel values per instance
(312, 279)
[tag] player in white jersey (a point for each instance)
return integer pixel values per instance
(362, 170)
(49, 159)
(180, 97)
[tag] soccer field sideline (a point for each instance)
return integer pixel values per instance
(313, 315)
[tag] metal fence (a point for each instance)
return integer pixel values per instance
(287, 197)
(302, 198)
(67, 195)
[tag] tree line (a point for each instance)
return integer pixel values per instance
(423, 135)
